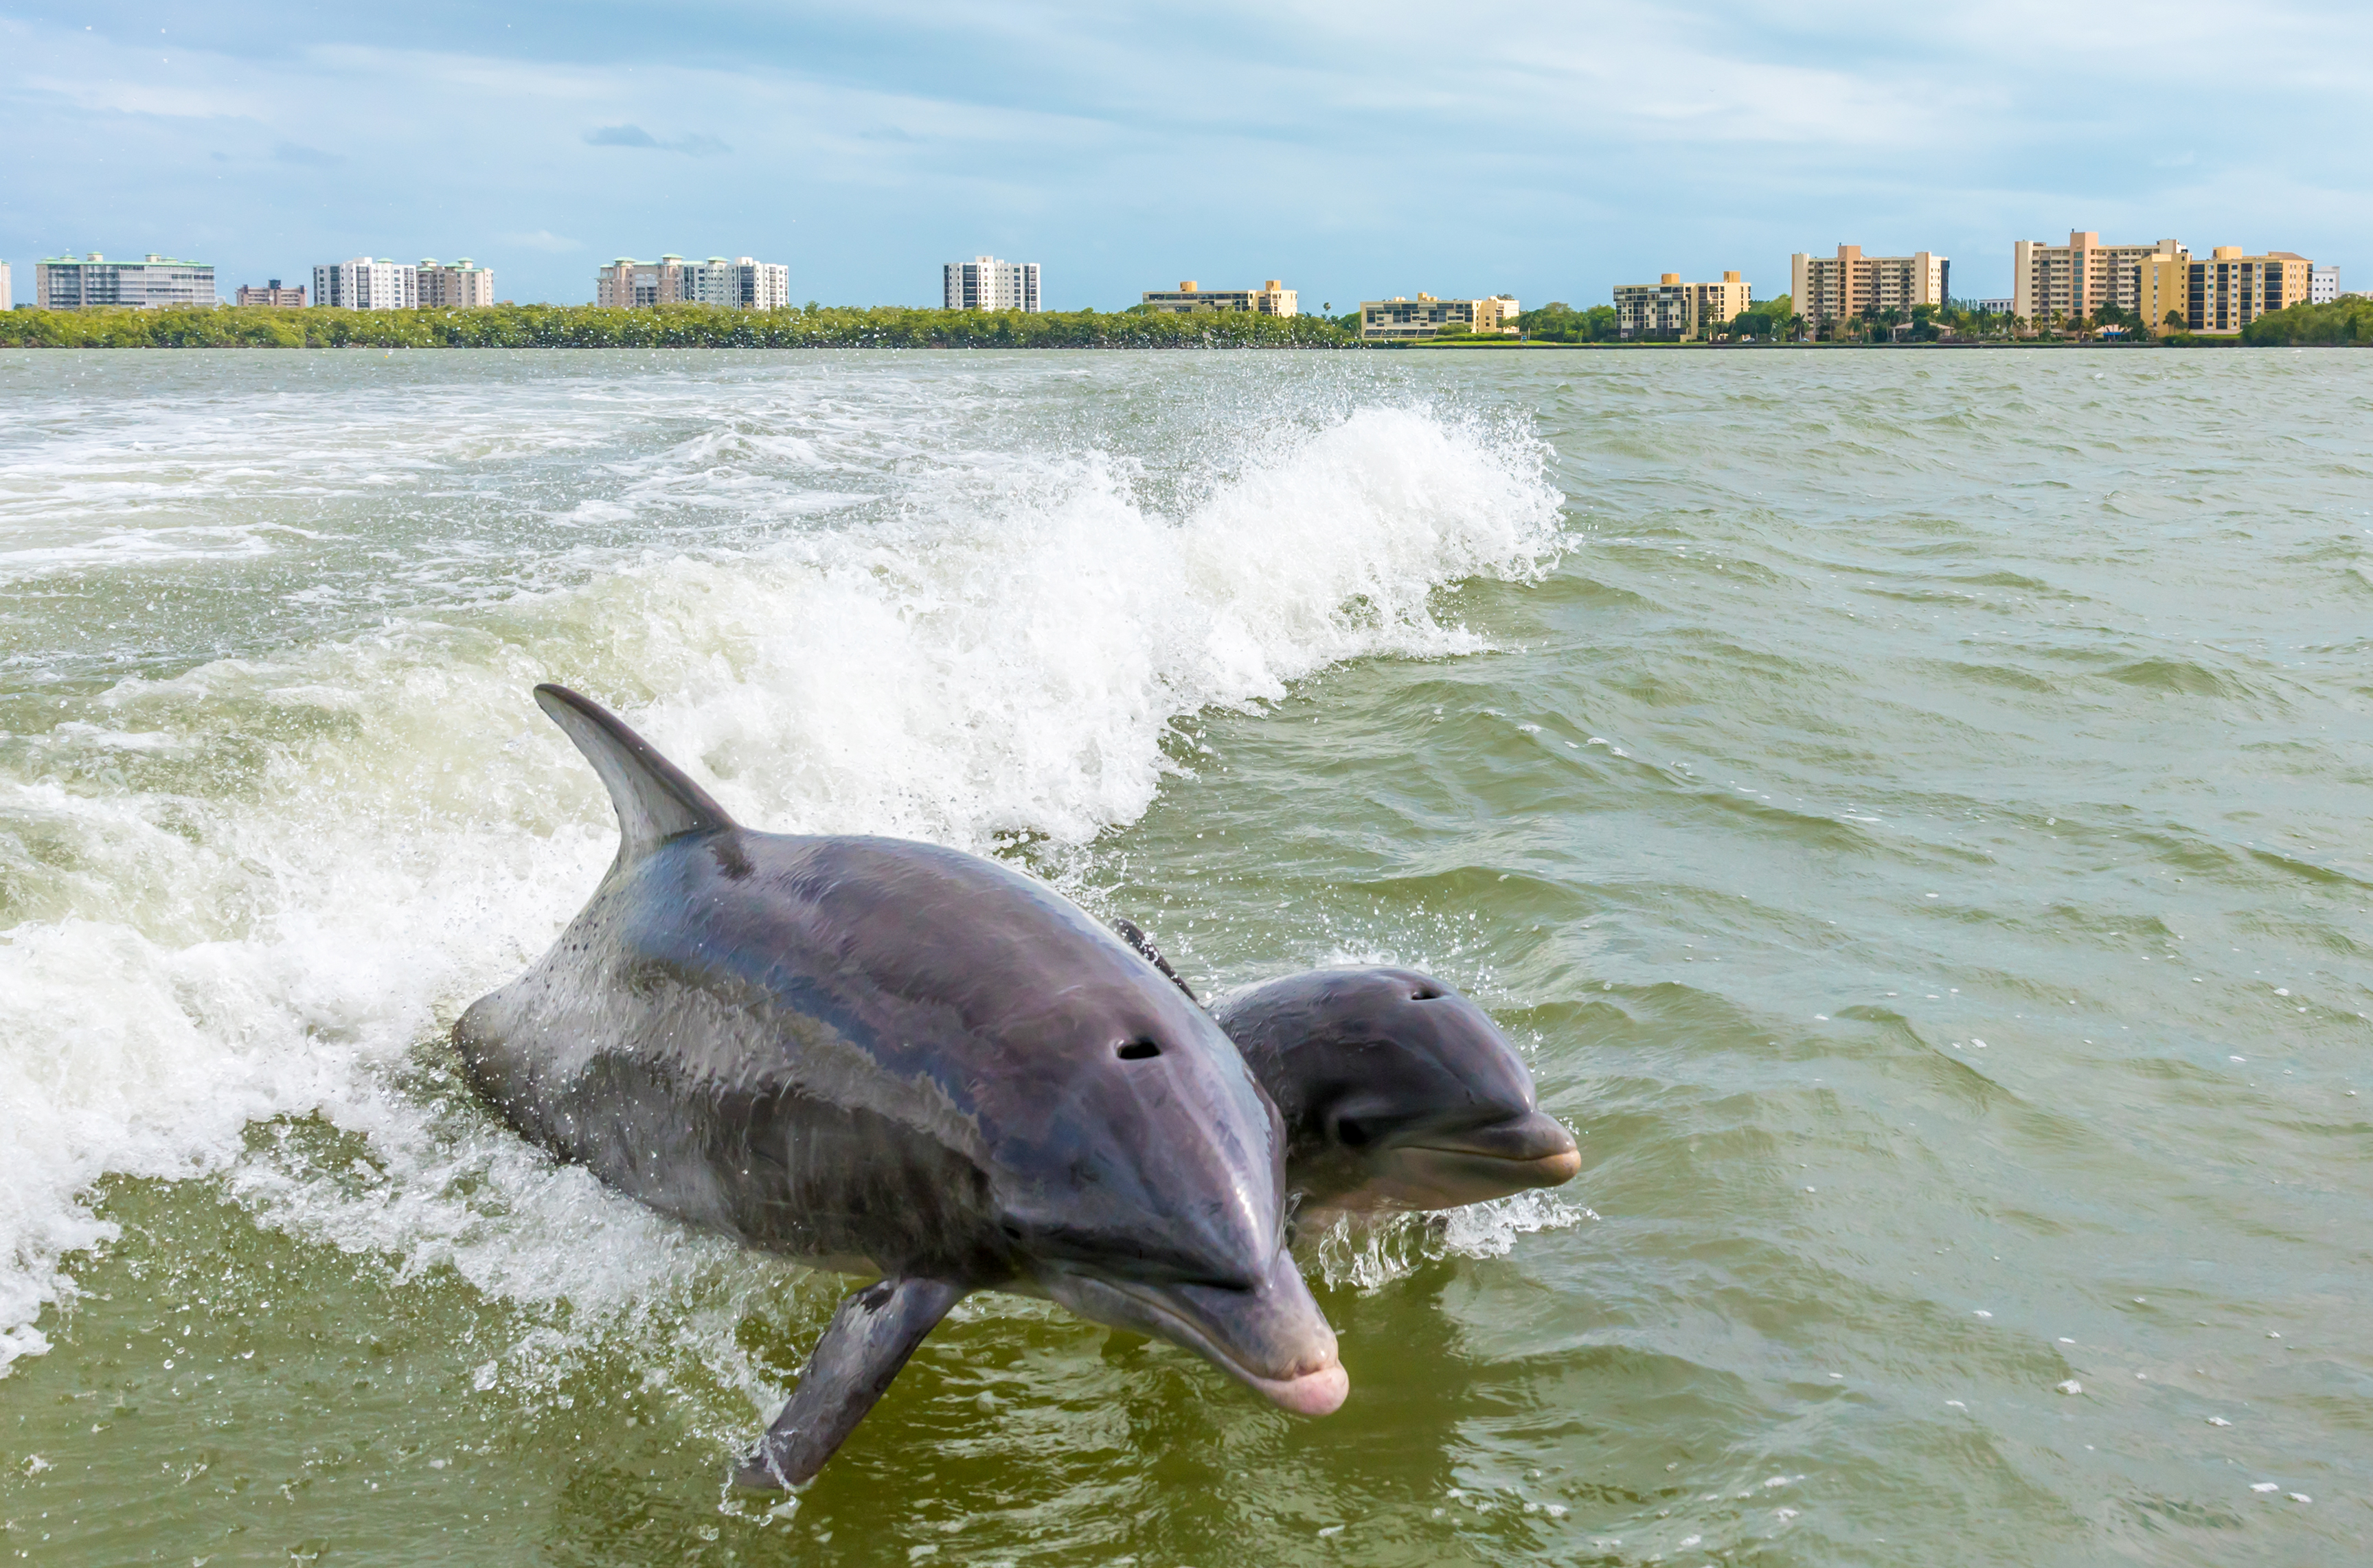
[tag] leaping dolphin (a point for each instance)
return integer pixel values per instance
(895, 1058)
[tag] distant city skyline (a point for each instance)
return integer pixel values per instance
(1557, 151)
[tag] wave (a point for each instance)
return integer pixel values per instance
(264, 914)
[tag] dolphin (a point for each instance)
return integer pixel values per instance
(897, 1059)
(1398, 1092)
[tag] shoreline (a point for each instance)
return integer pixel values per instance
(813, 326)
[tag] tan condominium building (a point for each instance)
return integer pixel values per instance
(455, 284)
(1402, 320)
(1271, 299)
(1669, 310)
(2077, 280)
(1830, 288)
(2229, 290)
(740, 284)
(271, 294)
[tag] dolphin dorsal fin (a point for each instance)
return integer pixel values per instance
(655, 801)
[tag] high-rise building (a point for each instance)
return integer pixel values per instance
(8, 288)
(2229, 290)
(627, 284)
(270, 294)
(1669, 310)
(742, 284)
(2077, 279)
(1271, 299)
(454, 284)
(1829, 288)
(1402, 320)
(366, 284)
(2323, 286)
(62, 283)
(986, 284)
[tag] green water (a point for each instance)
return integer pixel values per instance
(1912, 807)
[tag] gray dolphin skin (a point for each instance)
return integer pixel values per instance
(1398, 1092)
(894, 1059)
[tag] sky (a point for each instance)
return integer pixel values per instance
(1354, 151)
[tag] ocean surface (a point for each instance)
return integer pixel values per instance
(1911, 808)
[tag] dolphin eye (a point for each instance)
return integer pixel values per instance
(1353, 1135)
(1137, 1050)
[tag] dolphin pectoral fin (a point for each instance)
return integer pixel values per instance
(869, 1340)
(1133, 935)
(655, 799)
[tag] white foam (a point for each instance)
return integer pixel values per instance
(334, 850)
(1370, 1252)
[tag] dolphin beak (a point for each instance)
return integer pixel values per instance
(1271, 1338)
(1448, 1169)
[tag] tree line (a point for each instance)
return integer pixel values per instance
(659, 326)
(2348, 321)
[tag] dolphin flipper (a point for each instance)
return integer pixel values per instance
(869, 1340)
(655, 800)
(1130, 933)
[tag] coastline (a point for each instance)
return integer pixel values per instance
(813, 326)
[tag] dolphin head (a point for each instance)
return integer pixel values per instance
(1138, 1179)
(1396, 1091)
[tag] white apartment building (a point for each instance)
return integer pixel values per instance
(8, 288)
(986, 284)
(740, 284)
(64, 283)
(1995, 306)
(366, 284)
(2322, 285)
(454, 284)
(2080, 277)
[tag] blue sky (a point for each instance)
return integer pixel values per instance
(1548, 150)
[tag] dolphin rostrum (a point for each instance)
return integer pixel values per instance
(894, 1059)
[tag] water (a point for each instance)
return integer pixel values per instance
(1912, 808)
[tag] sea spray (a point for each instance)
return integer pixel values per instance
(255, 892)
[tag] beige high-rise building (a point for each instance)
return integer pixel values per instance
(626, 283)
(2080, 277)
(455, 284)
(1669, 310)
(1271, 299)
(742, 284)
(271, 294)
(2229, 290)
(1830, 288)
(8, 288)
(1403, 320)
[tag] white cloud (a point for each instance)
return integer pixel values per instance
(1551, 148)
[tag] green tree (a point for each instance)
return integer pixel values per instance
(2344, 322)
